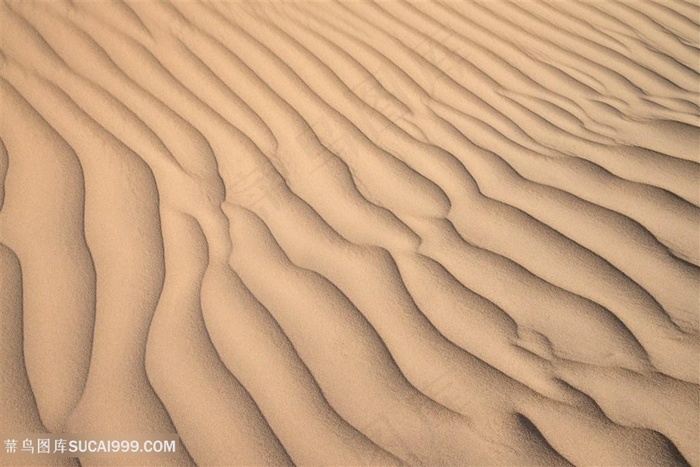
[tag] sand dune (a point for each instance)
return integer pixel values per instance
(352, 233)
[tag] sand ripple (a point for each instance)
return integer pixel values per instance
(353, 233)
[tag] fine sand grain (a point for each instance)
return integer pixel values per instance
(352, 233)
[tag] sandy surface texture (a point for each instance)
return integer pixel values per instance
(352, 233)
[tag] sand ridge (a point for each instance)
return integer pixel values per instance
(353, 233)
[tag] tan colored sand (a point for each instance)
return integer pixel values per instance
(352, 233)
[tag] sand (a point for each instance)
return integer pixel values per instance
(352, 233)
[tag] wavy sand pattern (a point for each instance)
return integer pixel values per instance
(353, 233)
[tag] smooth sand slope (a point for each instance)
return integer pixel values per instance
(353, 233)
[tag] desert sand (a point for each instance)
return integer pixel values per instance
(352, 233)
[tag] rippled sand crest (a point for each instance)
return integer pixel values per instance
(353, 233)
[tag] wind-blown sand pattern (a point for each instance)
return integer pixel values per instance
(353, 233)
